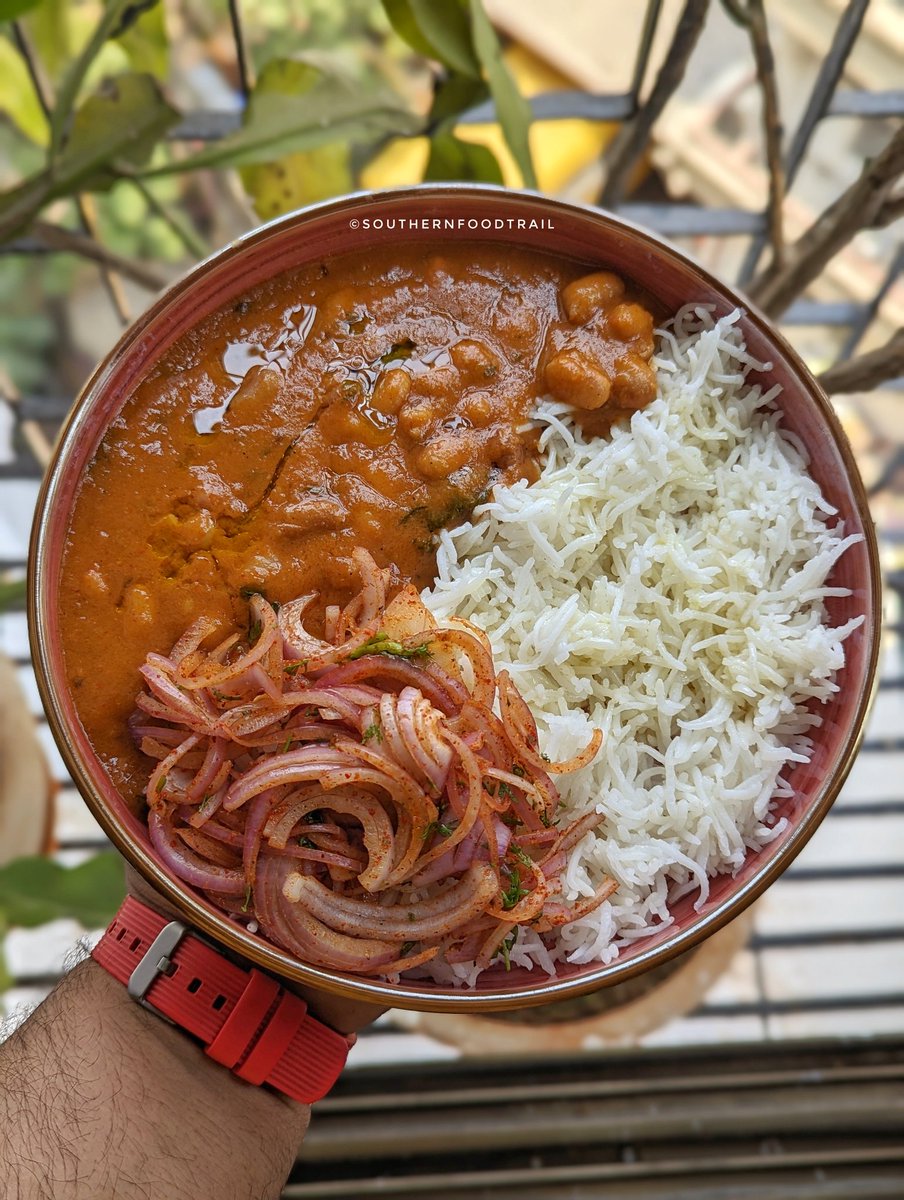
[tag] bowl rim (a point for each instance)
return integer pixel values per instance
(407, 994)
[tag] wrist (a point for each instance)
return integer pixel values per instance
(97, 1095)
(244, 1020)
(342, 1014)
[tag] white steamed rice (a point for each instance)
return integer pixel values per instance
(666, 585)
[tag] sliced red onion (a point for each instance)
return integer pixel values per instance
(556, 913)
(211, 768)
(291, 926)
(438, 687)
(258, 811)
(379, 837)
(159, 786)
(440, 868)
(184, 863)
(420, 725)
(483, 691)
(432, 918)
(192, 639)
(570, 837)
(217, 674)
(167, 692)
(210, 849)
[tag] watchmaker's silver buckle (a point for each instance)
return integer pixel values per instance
(155, 961)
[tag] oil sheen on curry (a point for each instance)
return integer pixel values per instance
(350, 403)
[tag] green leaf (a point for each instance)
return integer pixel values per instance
(145, 42)
(12, 593)
(297, 105)
(18, 100)
(50, 28)
(298, 179)
(11, 10)
(512, 110)
(117, 16)
(119, 124)
(454, 95)
(401, 18)
(453, 158)
(36, 890)
(441, 31)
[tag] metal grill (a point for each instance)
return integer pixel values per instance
(826, 956)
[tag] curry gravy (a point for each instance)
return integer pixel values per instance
(352, 402)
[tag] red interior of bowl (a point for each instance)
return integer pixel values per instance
(591, 237)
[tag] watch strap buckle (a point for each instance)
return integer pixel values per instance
(155, 961)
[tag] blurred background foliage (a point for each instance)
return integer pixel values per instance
(331, 96)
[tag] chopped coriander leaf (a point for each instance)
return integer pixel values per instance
(507, 947)
(287, 745)
(372, 731)
(407, 947)
(522, 855)
(254, 632)
(161, 783)
(292, 668)
(247, 898)
(517, 769)
(489, 788)
(307, 843)
(514, 892)
(382, 643)
(505, 792)
(544, 817)
(437, 827)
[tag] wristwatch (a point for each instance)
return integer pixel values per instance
(243, 1018)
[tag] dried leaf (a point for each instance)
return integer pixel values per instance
(298, 179)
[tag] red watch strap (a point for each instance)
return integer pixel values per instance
(246, 1020)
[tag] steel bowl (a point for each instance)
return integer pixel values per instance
(464, 213)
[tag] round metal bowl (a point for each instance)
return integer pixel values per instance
(464, 213)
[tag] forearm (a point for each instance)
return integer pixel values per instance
(101, 1099)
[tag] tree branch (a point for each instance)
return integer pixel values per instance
(751, 14)
(633, 137)
(83, 204)
(869, 203)
(57, 238)
(867, 371)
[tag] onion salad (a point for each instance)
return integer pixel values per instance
(372, 799)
